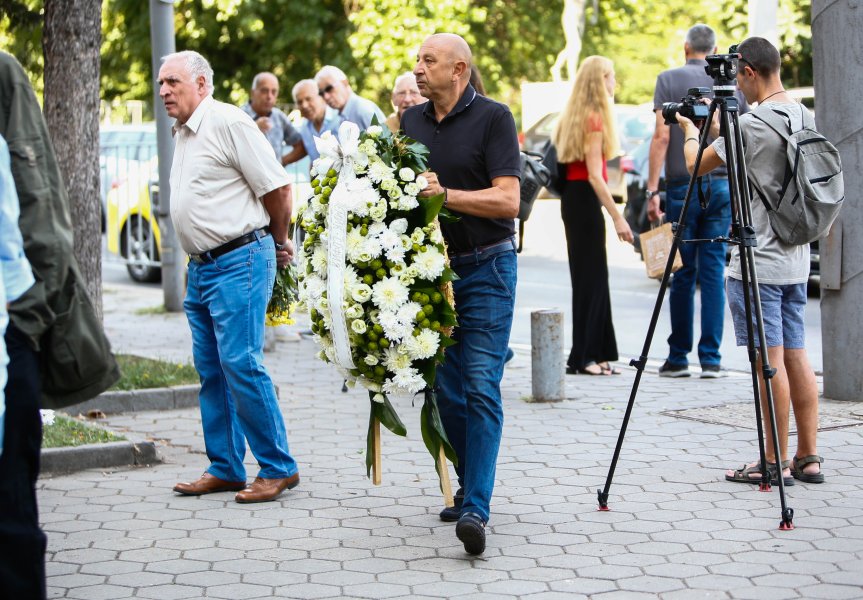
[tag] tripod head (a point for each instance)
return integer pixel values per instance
(722, 68)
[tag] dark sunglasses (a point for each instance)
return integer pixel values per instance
(325, 90)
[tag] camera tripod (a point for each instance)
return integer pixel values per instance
(742, 235)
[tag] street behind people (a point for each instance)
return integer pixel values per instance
(231, 207)
(474, 161)
(334, 88)
(782, 269)
(405, 94)
(317, 116)
(703, 263)
(271, 120)
(585, 139)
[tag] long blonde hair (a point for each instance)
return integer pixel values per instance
(589, 99)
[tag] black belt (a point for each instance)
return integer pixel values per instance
(211, 255)
(481, 253)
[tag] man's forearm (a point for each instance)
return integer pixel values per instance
(278, 205)
(656, 158)
(298, 152)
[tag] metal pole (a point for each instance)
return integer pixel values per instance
(173, 257)
(547, 371)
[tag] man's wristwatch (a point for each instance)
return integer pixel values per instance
(648, 194)
(281, 246)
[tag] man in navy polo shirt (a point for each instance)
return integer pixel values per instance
(474, 161)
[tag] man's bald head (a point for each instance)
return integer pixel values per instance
(455, 46)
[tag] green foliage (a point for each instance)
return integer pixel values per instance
(65, 431)
(141, 373)
(21, 36)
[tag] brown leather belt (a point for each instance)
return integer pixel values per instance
(212, 255)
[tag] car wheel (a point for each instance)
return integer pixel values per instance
(139, 248)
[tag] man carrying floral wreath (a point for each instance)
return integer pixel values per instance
(231, 206)
(474, 160)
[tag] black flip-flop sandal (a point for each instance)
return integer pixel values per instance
(799, 474)
(742, 475)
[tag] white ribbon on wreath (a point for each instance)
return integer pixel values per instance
(339, 154)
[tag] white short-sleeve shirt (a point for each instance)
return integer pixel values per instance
(222, 166)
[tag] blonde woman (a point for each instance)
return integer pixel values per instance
(585, 139)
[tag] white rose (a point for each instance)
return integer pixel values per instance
(412, 189)
(358, 326)
(422, 182)
(406, 174)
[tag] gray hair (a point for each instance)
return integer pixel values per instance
(257, 78)
(701, 39)
(300, 85)
(403, 77)
(331, 72)
(196, 65)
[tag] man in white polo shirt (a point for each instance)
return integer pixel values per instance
(231, 207)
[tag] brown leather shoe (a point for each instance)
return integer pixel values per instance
(208, 484)
(264, 490)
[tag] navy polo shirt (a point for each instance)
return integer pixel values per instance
(473, 144)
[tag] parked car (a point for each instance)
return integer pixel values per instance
(632, 121)
(121, 147)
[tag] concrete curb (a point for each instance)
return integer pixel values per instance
(98, 456)
(169, 398)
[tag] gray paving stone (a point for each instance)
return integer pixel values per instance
(237, 590)
(99, 592)
(310, 591)
(171, 592)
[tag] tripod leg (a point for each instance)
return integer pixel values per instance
(641, 361)
(740, 196)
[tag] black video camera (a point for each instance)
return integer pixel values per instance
(689, 106)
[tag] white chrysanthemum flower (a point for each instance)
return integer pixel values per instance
(389, 293)
(412, 189)
(429, 264)
(395, 330)
(422, 182)
(313, 287)
(376, 229)
(371, 248)
(406, 174)
(319, 259)
(358, 326)
(389, 239)
(378, 171)
(424, 345)
(397, 358)
(407, 313)
(362, 293)
(396, 253)
(406, 380)
(354, 241)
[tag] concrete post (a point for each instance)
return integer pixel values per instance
(546, 353)
(837, 57)
(173, 257)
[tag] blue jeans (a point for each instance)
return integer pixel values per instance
(226, 301)
(702, 262)
(468, 382)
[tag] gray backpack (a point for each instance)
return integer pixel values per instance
(812, 190)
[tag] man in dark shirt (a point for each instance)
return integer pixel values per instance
(702, 262)
(474, 161)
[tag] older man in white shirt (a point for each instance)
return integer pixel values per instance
(231, 207)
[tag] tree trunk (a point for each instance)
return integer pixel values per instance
(71, 41)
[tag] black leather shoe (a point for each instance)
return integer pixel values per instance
(470, 529)
(450, 514)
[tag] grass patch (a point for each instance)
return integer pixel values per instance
(65, 431)
(152, 310)
(143, 373)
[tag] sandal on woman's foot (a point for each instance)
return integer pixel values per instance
(607, 369)
(797, 472)
(752, 474)
(585, 369)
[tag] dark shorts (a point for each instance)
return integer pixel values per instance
(782, 308)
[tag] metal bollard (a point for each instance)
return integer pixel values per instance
(546, 353)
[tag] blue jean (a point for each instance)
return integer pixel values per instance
(702, 262)
(468, 383)
(226, 301)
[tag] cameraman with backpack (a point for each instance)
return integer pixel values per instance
(782, 269)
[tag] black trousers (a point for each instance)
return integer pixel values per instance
(593, 337)
(22, 543)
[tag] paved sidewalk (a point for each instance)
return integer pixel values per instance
(676, 528)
